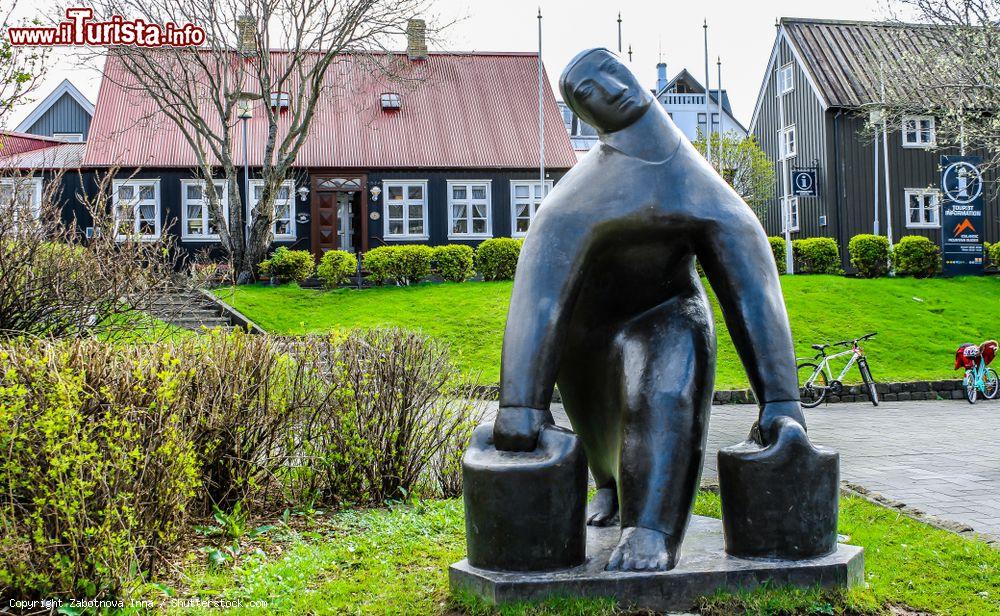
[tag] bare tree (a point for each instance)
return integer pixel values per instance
(200, 90)
(948, 66)
(21, 68)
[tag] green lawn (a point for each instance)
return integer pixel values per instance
(394, 561)
(920, 322)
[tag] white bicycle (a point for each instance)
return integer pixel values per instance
(816, 379)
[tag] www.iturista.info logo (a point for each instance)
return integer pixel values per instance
(80, 29)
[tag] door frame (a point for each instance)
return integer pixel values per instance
(315, 176)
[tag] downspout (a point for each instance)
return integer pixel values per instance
(838, 178)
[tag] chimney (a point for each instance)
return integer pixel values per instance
(661, 76)
(246, 30)
(416, 39)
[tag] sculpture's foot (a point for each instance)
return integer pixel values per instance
(642, 549)
(603, 509)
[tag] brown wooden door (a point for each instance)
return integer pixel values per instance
(325, 235)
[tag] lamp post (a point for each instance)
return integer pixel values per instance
(244, 111)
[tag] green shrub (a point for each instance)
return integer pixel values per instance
(778, 250)
(817, 255)
(496, 259)
(992, 253)
(454, 262)
(285, 264)
(336, 267)
(917, 256)
(403, 265)
(869, 255)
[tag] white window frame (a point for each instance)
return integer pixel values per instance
(788, 204)
(71, 137)
(468, 184)
(786, 79)
(205, 216)
(919, 143)
(36, 192)
(933, 204)
(137, 183)
(783, 142)
(252, 203)
(532, 201)
(407, 202)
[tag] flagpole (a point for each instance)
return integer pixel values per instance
(619, 33)
(718, 87)
(541, 115)
(708, 108)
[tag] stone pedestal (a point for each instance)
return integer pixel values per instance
(704, 568)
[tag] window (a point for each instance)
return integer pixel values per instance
(136, 209)
(284, 208)
(715, 122)
(469, 208)
(73, 137)
(196, 221)
(525, 199)
(405, 210)
(786, 141)
(922, 208)
(791, 211)
(786, 79)
(390, 100)
(21, 195)
(918, 132)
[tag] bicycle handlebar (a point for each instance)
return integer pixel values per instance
(855, 340)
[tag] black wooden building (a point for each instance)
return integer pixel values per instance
(821, 80)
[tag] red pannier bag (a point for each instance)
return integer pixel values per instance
(988, 350)
(966, 356)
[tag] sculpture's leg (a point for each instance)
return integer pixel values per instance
(668, 358)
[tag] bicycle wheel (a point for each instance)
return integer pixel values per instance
(970, 387)
(812, 390)
(992, 382)
(866, 376)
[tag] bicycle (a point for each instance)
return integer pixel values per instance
(978, 377)
(817, 379)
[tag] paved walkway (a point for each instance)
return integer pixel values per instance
(942, 457)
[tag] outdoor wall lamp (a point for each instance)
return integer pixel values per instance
(303, 192)
(244, 108)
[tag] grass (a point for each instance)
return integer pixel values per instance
(920, 322)
(395, 560)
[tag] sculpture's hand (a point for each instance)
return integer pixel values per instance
(516, 428)
(774, 415)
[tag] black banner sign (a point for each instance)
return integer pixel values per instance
(961, 215)
(804, 183)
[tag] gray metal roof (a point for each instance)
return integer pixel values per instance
(62, 156)
(845, 59)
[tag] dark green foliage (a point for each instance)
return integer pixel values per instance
(453, 262)
(917, 256)
(403, 265)
(496, 259)
(992, 253)
(869, 255)
(778, 250)
(817, 255)
(336, 267)
(285, 264)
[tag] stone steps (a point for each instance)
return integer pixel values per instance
(193, 310)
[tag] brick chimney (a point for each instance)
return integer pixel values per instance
(246, 31)
(416, 39)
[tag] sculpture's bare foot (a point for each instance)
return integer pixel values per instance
(603, 509)
(642, 549)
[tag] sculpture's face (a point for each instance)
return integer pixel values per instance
(603, 92)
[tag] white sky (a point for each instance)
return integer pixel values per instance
(742, 33)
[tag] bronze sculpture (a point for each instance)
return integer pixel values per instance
(607, 303)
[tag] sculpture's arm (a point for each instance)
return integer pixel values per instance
(737, 259)
(545, 289)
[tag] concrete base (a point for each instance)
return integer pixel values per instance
(704, 568)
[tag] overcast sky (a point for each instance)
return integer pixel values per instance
(740, 32)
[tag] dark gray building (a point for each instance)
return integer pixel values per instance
(811, 112)
(64, 114)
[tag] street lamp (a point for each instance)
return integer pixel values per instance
(244, 111)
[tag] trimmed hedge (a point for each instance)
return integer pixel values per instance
(453, 262)
(817, 255)
(496, 259)
(917, 256)
(403, 265)
(778, 250)
(285, 264)
(869, 255)
(336, 267)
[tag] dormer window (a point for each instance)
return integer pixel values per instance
(390, 101)
(280, 100)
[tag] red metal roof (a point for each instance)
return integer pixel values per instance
(59, 156)
(15, 143)
(468, 110)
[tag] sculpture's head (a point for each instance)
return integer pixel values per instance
(602, 91)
